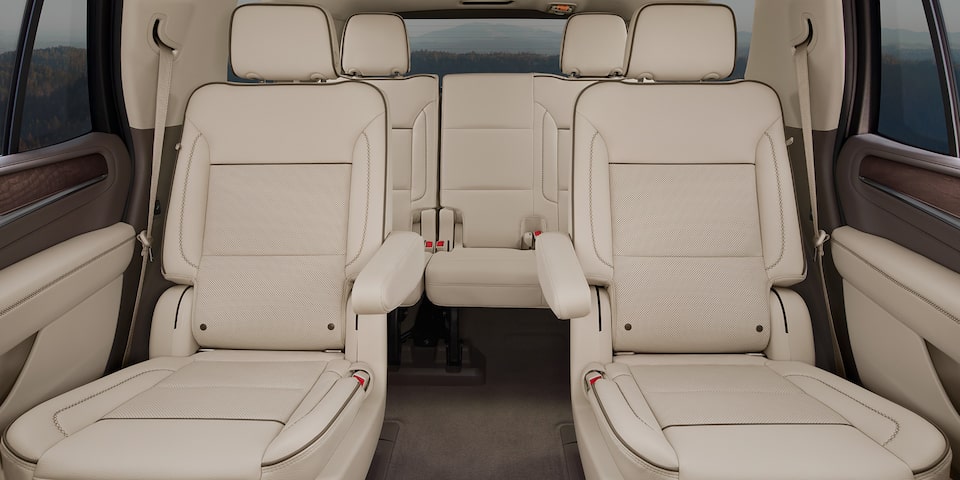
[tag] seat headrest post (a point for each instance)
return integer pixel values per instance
(682, 43)
(593, 45)
(375, 45)
(282, 43)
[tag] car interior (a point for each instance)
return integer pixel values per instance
(465, 239)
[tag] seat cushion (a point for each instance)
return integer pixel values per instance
(746, 417)
(218, 414)
(484, 277)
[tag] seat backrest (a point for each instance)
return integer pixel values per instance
(683, 203)
(495, 144)
(278, 197)
(592, 50)
(375, 48)
(506, 145)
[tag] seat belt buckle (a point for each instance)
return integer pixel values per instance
(428, 246)
(526, 241)
(146, 245)
(363, 378)
(592, 377)
(443, 245)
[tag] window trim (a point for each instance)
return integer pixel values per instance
(18, 78)
(867, 106)
(948, 86)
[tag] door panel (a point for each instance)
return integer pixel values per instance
(63, 303)
(62, 258)
(67, 193)
(899, 257)
(903, 315)
(885, 189)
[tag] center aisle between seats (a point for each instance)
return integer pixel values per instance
(507, 428)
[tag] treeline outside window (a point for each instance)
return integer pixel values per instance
(56, 103)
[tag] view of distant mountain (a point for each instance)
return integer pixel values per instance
(484, 37)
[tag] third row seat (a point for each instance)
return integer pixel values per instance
(505, 168)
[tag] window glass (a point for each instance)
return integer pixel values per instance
(501, 45)
(911, 100)
(743, 11)
(9, 35)
(57, 104)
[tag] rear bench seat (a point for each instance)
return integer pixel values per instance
(375, 49)
(505, 166)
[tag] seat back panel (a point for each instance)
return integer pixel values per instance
(414, 146)
(499, 155)
(689, 217)
(273, 213)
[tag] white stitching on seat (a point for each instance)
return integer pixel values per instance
(877, 269)
(426, 156)
(366, 210)
(783, 231)
(183, 198)
(868, 407)
(56, 415)
(596, 251)
(59, 279)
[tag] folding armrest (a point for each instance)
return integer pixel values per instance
(561, 277)
(389, 277)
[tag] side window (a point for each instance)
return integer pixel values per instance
(743, 11)
(56, 105)
(911, 96)
(10, 23)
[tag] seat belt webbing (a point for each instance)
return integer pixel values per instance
(801, 60)
(145, 237)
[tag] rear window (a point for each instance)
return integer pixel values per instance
(517, 45)
(498, 45)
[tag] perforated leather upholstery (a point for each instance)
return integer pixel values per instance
(684, 218)
(275, 211)
(506, 153)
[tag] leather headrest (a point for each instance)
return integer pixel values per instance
(282, 43)
(375, 45)
(593, 45)
(682, 43)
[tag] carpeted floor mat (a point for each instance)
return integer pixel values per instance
(510, 427)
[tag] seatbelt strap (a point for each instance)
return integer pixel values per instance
(801, 60)
(145, 237)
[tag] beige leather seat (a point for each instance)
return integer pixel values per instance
(375, 49)
(275, 235)
(505, 162)
(691, 357)
(592, 51)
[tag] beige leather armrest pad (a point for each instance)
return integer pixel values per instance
(43, 287)
(561, 277)
(389, 277)
(914, 289)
